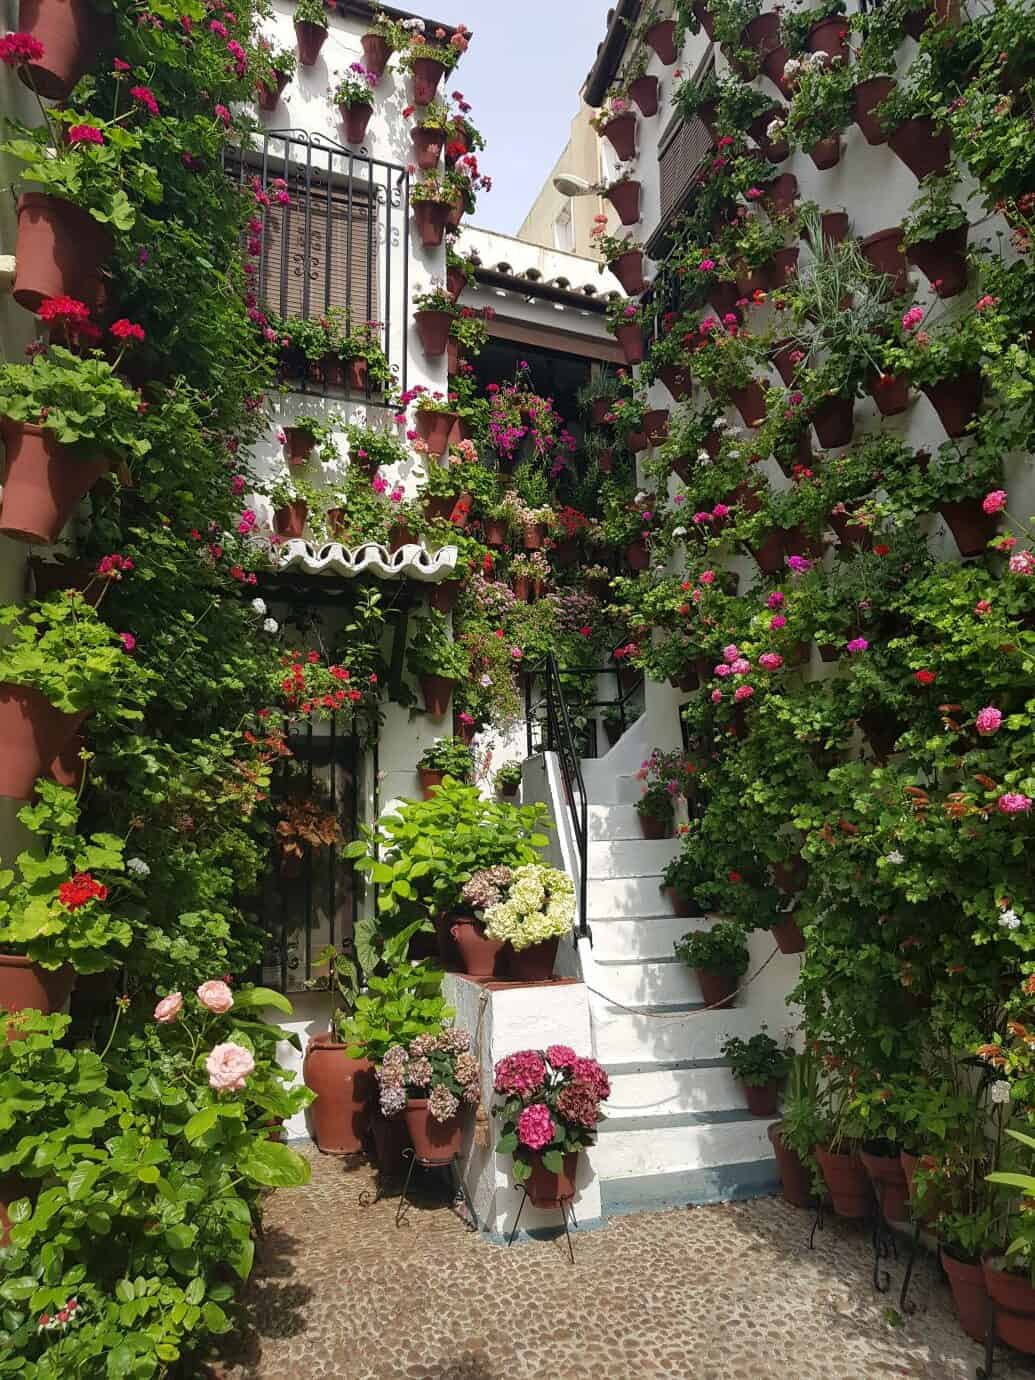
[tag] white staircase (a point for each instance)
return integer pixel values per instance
(677, 1129)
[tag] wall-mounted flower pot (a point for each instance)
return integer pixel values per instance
(289, 521)
(655, 425)
(434, 429)
(427, 73)
(430, 219)
(356, 118)
(851, 533)
(943, 260)
(644, 91)
(621, 133)
(74, 33)
(794, 1173)
(343, 1089)
(723, 298)
(774, 150)
(750, 403)
(834, 422)
(921, 146)
(456, 281)
(298, 444)
(971, 527)
(606, 461)
(967, 1282)
(785, 366)
(268, 96)
(769, 552)
(764, 1100)
(703, 15)
(781, 194)
(941, 11)
(521, 587)
(718, 989)
(683, 907)
(437, 692)
(625, 198)
(480, 956)
(630, 339)
(677, 379)
(433, 330)
(400, 536)
(495, 532)
(847, 1181)
(548, 1190)
(43, 482)
(443, 596)
(636, 556)
(533, 535)
(454, 213)
(452, 355)
(955, 400)
(783, 266)
(429, 780)
(662, 38)
(25, 986)
(833, 226)
(868, 95)
(751, 280)
(534, 963)
(68, 768)
(376, 53)
(59, 251)
(762, 34)
(826, 153)
(434, 1141)
(891, 393)
(628, 269)
(598, 410)
(889, 1184)
(309, 38)
(884, 253)
(428, 145)
(830, 36)
(788, 935)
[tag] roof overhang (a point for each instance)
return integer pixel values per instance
(410, 562)
(609, 54)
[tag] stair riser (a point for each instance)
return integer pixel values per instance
(625, 1154)
(614, 822)
(673, 1091)
(646, 938)
(620, 1038)
(605, 786)
(645, 984)
(630, 896)
(630, 857)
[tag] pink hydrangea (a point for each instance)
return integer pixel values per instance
(215, 996)
(535, 1127)
(988, 720)
(169, 1008)
(520, 1073)
(994, 502)
(228, 1067)
(589, 1071)
(743, 692)
(561, 1056)
(770, 661)
(857, 644)
(1014, 803)
(777, 621)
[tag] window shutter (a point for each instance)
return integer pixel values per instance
(321, 252)
(680, 159)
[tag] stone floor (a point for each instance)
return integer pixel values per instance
(718, 1293)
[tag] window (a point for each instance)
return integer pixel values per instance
(321, 251)
(681, 156)
(564, 229)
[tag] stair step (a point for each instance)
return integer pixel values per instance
(660, 982)
(604, 785)
(613, 822)
(687, 1033)
(646, 937)
(676, 1089)
(666, 1121)
(678, 1144)
(630, 857)
(628, 896)
(717, 1183)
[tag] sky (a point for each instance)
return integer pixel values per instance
(522, 76)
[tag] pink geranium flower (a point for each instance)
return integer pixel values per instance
(1014, 803)
(994, 502)
(988, 720)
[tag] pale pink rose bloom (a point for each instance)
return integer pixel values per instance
(228, 1067)
(169, 1008)
(216, 997)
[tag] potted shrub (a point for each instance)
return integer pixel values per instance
(430, 1081)
(384, 37)
(292, 500)
(435, 419)
(480, 955)
(311, 22)
(656, 808)
(537, 908)
(678, 881)
(300, 438)
(935, 236)
(445, 757)
(913, 135)
(944, 363)
(800, 1129)
(433, 312)
(353, 96)
(508, 780)
(760, 1066)
(343, 1084)
(66, 421)
(428, 63)
(429, 134)
(821, 109)
(436, 660)
(718, 956)
(276, 68)
(626, 322)
(431, 198)
(549, 1109)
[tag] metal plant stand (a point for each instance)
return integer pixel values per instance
(460, 1199)
(566, 1205)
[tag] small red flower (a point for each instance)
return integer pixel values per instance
(925, 677)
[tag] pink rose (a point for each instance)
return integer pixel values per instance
(707, 577)
(770, 661)
(743, 692)
(778, 621)
(215, 997)
(169, 1008)
(722, 670)
(731, 653)
(741, 666)
(716, 697)
(228, 1067)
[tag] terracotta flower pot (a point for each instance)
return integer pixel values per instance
(267, 96)
(847, 1181)
(376, 53)
(834, 421)
(788, 936)
(685, 907)
(630, 339)
(921, 146)
(781, 194)
(891, 394)
(521, 588)
(390, 1138)
(704, 17)
(751, 280)
(686, 680)
(655, 425)
(869, 94)
(723, 298)
(783, 266)
(833, 226)
(399, 536)
(1014, 1298)
(750, 403)
(32, 734)
(310, 38)
(774, 150)
(826, 153)
(637, 556)
(830, 36)
(44, 481)
(621, 133)
(652, 828)
(548, 1190)
(454, 213)
(73, 34)
(929, 1212)
(535, 963)
(299, 444)
(343, 1088)
(662, 38)
(628, 269)
(943, 260)
(456, 281)
(428, 144)
(955, 400)
(889, 1183)
(25, 986)
(764, 1100)
(356, 374)
(717, 989)
(972, 528)
(785, 366)
(606, 461)
(429, 779)
(794, 1174)
(68, 768)
(644, 91)
(967, 1283)
(434, 429)
(677, 379)
(356, 118)
(289, 521)
(770, 551)
(495, 530)
(480, 956)
(434, 1142)
(427, 73)
(59, 251)
(625, 198)
(533, 534)
(437, 692)
(883, 252)
(443, 596)
(430, 219)
(433, 330)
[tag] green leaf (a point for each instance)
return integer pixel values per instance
(507, 1143)
(521, 1171)
(262, 996)
(554, 1161)
(274, 1165)
(215, 1319)
(200, 1123)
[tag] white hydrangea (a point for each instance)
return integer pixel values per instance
(136, 867)
(894, 857)
(539, 905)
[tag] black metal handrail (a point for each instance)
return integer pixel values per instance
(628, 685)
(561, 740)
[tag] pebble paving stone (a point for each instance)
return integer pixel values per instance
(729, 1292)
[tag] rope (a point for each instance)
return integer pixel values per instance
(682, 1015)
(482, 1136)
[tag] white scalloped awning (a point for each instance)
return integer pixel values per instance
(410, 562)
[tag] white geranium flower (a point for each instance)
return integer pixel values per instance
(1010, 920)
(1000, 1091)
(703, 457)
(270, 625)
(894, 857)
(137, 867)
(679, 531)
(259, 605)
(641, 497)
(791, 68)
(775, 128)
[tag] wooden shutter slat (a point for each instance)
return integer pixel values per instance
(333, 257)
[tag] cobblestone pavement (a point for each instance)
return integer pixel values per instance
(717, 1293)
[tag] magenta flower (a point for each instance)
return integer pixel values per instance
(988, 721)
(775, 600)
(701, 518)
(145, 96)
(912, 318)
(561, 1056)
(535, 1127)
(85, 134)
(731, 652)
(722, 670)
(1014, 803)
(777, 621)
(799, 564)
(379, 484)
(720, 511)
(716, 697)
(741, 666)
(707, 577)
(743, 692)
(857, 644)
(520, 1073)
(706, 266)
(128, 641)
(19, 48)
(994, 502)
(770, 661)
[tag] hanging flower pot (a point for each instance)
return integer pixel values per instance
(677, 379)
(869, 94)
(269, 96)
(356, 118)
(625, 198)
(785, 366)
(310, 38)
(921, 146)
(788, 935)
(683, 907)
(717, 989)
(851, 533)
(400, 536)
(662, 38)
(830, 36)
(880, 732)
(437, 692)
(456, 281)
(289, 521)
(628, 269)
(428, 144)
(548, 1190)
(68, 768)
(495, 532)
(430, 219)
(769, 553)
(73, 34)
(723, 297)
(454, 213)
(434, 428)
(834, 421)
(826, 153)
(774, 150)
(434, 1141)
(750, 403)
(972, 528)
(59, 251)
(630, 339)
(534, 963)
(621, 133)
(480, 956)
(781, 194)
(889, 1184)
(751, 280)
(521, 588)
(644, 91)
(533, 535)
(429, 779)
(890, 393)
(883, 252)
(376, 53)
(343, 1088)
(636, 557)
(847, 1181)
(943, 260)
(26, 986)
(764, 1100)
(783, 266)
(43, 482)
(443, 596)
(433, 330)
(299, 444)
(427, 73)
(967, 1282)
(955, 400)
(655, 425)
(794, 1173)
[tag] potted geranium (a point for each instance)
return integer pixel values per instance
(935, 236)
(429, 134)
(353, 96)
(678, 881)
(429, 62)
(430, 1080)
(944, 361)
(431, 198)
(627, 323)
(310, 19)
(656, 808)
(300, 436)
(435, 419)
(384, 37)
(821, 109)
(718, 956)
(292, 500)
(508, 779)
(549, 1106)
(445, 757)
(480, 955)
(436, 660)
(276, 68)
(760, 1065)
(433, 312)
(536, 910)
(616, 122)
(623, 192)
(622, 255)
